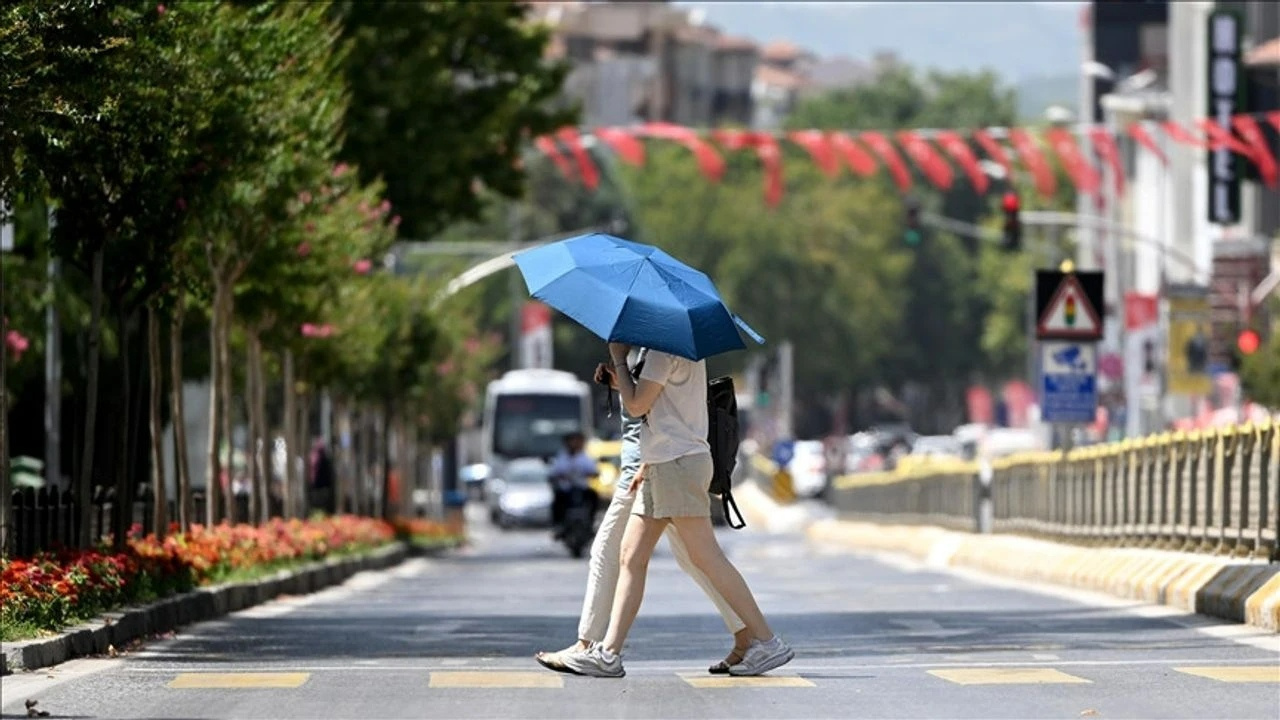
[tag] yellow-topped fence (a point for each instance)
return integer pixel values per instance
(1214, 491)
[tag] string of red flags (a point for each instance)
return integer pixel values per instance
(1088, 154)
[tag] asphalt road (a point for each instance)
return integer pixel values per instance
(452, 637)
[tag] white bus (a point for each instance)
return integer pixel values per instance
(528, 412)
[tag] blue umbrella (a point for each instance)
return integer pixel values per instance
(628, 292)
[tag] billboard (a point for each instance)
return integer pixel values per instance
(1190, 333)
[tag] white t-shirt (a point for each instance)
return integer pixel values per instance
(677, 423)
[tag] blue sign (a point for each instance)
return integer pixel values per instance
(1068, 381)
(783, 452)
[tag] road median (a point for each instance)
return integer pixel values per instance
(1228, 588)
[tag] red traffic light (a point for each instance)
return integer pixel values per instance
(1248, 341)
(1010, 203)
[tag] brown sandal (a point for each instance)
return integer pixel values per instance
(722, 668)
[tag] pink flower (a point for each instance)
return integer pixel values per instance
(445, 367)
(309, 227)
(304, 197)
(395, 221)
(312, 330)
(160, 9)
(340, 169)
(16, 343)
(362, 266)
(304, 249)
(385, 206)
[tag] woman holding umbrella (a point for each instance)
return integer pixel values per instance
(671, 394)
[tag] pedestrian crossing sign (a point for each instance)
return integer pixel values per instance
(1070, 313)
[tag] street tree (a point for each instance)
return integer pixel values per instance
(444, 96)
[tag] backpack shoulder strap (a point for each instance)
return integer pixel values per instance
(727, 501)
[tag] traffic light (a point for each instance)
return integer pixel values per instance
(1248, 341)
(913, 234)
(1012, 223)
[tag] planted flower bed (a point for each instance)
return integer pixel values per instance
(46, 593)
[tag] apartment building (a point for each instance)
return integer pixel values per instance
(637, 62)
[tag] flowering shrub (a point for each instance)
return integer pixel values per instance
(53, 589)
(428, 531)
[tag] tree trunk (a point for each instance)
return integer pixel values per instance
(6, 482)
(262, 446)
(122, 504)
(387, 472)
(182, 469)
(213, 475)
(224, 403)
(303, 437)
(289, 483)
(252, 435)
(160, 490)
(84, 490)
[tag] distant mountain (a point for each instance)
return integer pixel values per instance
(1018, 40)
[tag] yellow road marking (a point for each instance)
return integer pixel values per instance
(189, 681)
(1236, 673)
(703, 682)
(1005, 676)
(494, 679)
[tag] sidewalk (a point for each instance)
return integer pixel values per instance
(1222, 587)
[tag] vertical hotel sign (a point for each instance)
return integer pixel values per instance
(1226, 98)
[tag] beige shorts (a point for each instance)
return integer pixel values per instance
(676, 488)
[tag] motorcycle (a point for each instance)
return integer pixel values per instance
(579, 523)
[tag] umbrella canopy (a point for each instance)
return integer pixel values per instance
(629, 292)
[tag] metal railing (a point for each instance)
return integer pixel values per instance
(1212, 491)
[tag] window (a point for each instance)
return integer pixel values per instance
(533, 425)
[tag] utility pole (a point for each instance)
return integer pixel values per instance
(786, 391)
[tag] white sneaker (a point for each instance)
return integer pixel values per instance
(594, 662)
(761, 657)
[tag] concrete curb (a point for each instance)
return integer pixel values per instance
(1226, 588)
(122, 626)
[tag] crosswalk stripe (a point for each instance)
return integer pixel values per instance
(1236, 673)
(494, 679)
(705, 682)
(225, 681)
(1006, 676)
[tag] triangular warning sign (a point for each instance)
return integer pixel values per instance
(1069, 313)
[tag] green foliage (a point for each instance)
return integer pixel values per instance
(444, 96)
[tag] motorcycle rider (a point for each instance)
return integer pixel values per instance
(571, 472)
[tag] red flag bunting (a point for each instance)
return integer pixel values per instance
(994, 150)
(623, 143)
(1139, 133)
(766, 147)
(855, 156)
(548, 147)
(1220, 137)
(927, 159)
(709, 161)
(1274, 119)
(1180, 134)
(1105, 145)
(1029, 152)
(1083, 174)
(882, 147)
(818, 145)
(958, 148)
(1262, 157)
(586, 168)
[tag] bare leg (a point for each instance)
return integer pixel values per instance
(639, 540)
(707, 556)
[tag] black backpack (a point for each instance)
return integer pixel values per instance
(722, 434)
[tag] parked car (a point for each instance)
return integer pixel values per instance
(521, 495)
(808, 468)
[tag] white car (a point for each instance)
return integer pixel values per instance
(808, 468)
(521, 495)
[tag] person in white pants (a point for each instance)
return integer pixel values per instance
(604, 566)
